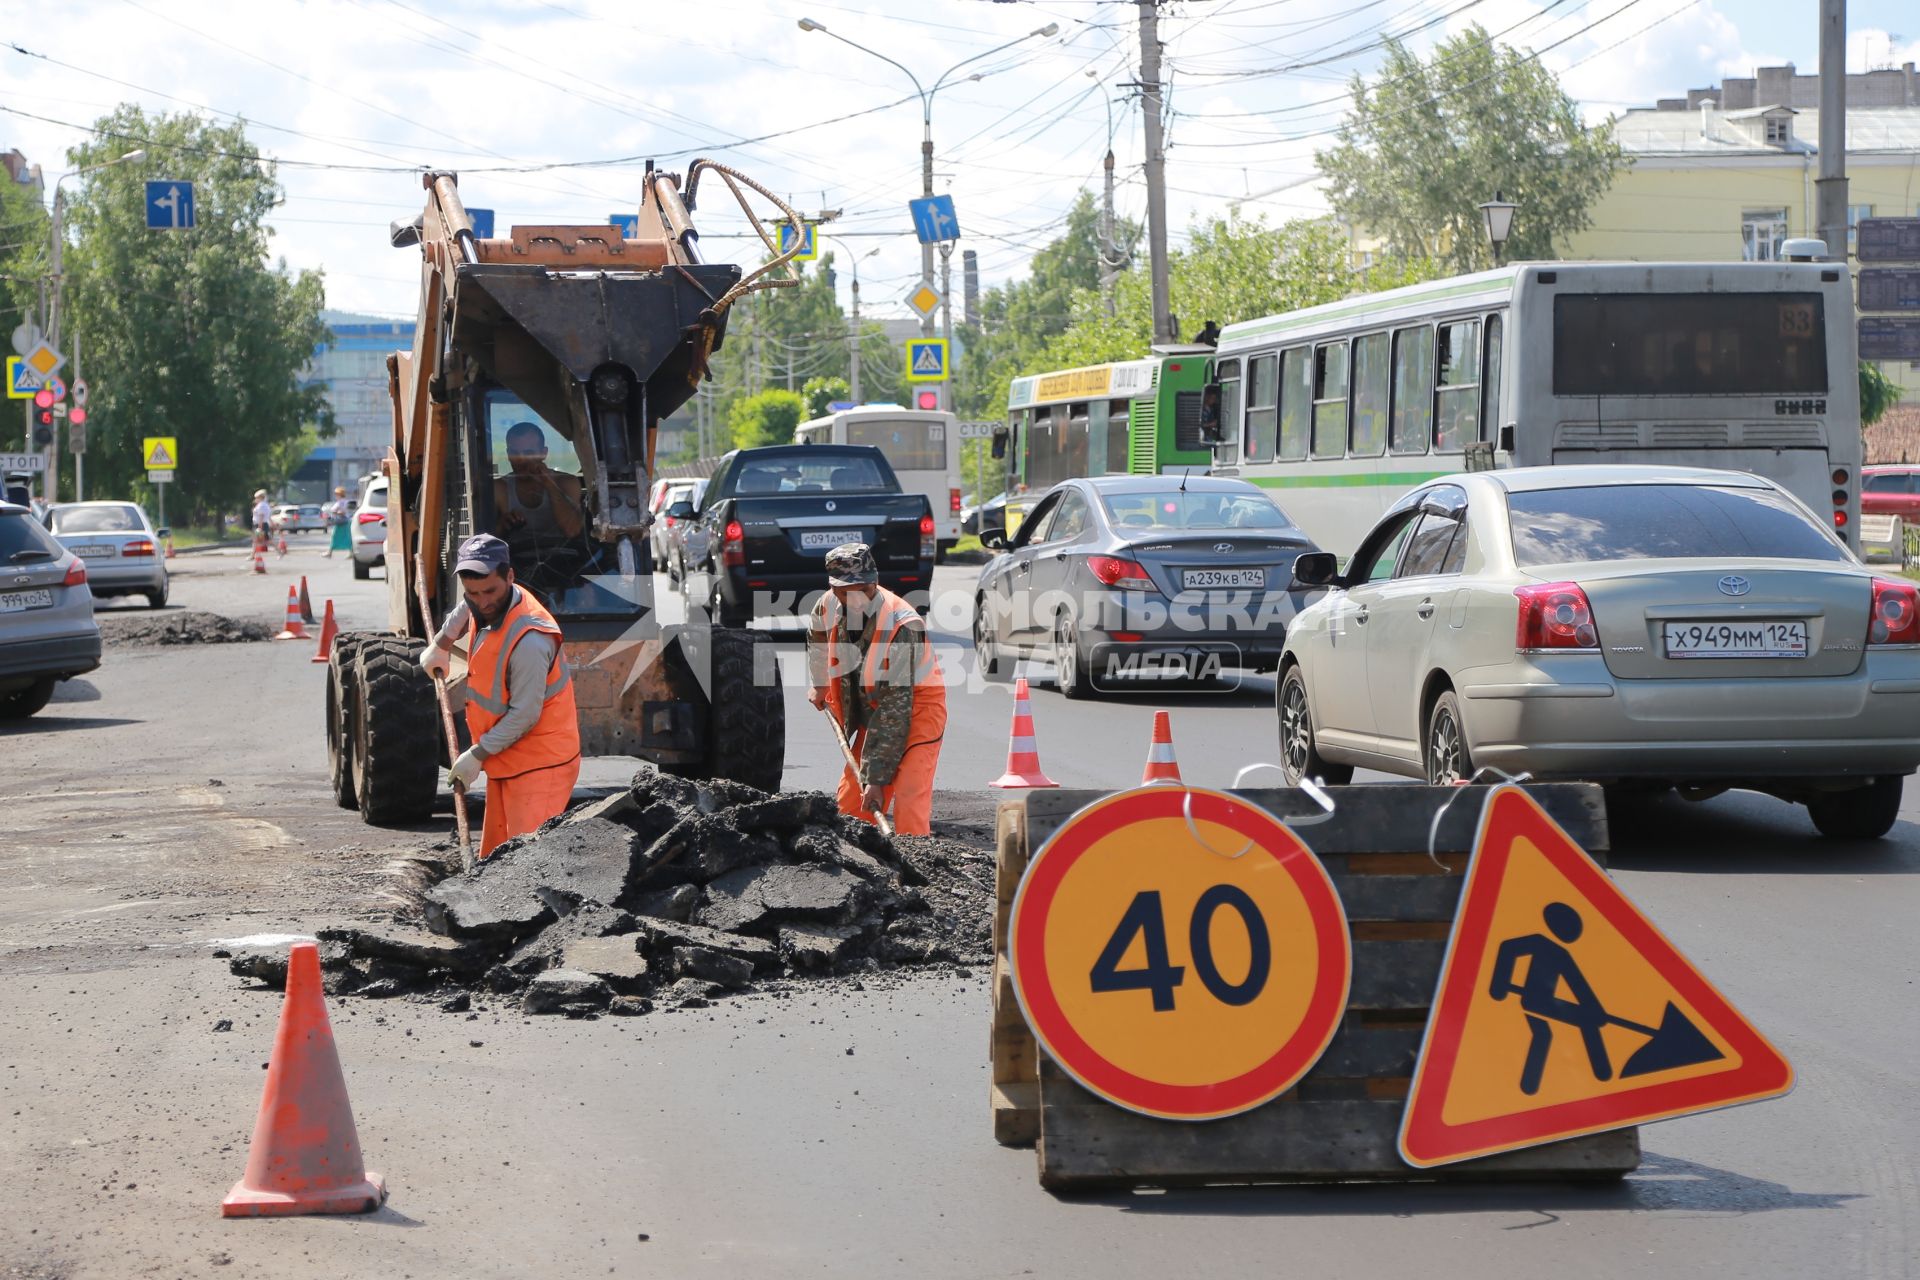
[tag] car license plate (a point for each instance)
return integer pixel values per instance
(1736, 639)
(1193, 578)
(812, 540)
(92, 553)
(20, 601)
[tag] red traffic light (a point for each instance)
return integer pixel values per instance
(43, 398)
(929, 399)
(76, 415)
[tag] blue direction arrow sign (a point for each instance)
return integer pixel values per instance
(629, 224)
(934, 219)
(169, 205)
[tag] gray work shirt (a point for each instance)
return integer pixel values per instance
(528, 667)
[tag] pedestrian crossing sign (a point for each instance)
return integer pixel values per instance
(1562, 1010)
(926, 359)
(162, 453)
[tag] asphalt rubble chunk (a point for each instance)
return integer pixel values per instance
(670, 894)
(186, 626)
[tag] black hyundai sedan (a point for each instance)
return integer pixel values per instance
(1121, 576)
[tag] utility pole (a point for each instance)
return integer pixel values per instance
(1109, 254)
(1830, 189)
(1150, 107)
(55, 259)
(946, 319)
(853, 356)
(80, 455)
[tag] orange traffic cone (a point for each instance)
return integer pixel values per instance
(281, 546)
(306, 602)
(1023, 756)
(1161, 766)
(169, 546)
(305, 1156)
(328, 630)
(259, 558)
(294, 628)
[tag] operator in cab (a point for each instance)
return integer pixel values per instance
(871, 666)
(532, 497)
(520, 707)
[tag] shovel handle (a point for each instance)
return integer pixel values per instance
(879, 819)
(460, 824)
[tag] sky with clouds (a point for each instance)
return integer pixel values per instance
(363, 92)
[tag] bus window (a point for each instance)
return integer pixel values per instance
(1458, 403)
(1228, 376)
(1262, 409)
(1370, 381)
(1330, 400)
(1490, 381)
(1412, 425)
(1116, 437)
(1076, 454)
(1296, 402)
(908, 444)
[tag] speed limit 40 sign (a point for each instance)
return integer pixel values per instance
(1180, 953)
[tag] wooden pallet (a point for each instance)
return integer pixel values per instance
(1341, 1121)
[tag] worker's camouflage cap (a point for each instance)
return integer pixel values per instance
(850, 565)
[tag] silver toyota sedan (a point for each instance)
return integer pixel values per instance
(1639, 625)
(1121, 576)
(121, 549)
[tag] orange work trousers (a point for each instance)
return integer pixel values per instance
(910, 797)
(521, 803)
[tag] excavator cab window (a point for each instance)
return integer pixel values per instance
(538, 504)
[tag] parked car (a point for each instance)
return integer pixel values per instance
(1635, 625)
(667, 493)
(771, 515)
(119, 544)
(1891, 491)
(686, 537)
(1143, 575)
(47, 630)
(370, 527)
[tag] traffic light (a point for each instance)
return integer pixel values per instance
(43, 398)
(77, 415)
(43, 423)
(927, 399)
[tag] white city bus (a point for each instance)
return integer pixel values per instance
(922, 447)
(1748, 366)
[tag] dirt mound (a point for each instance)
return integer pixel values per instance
(676, 891)
(188, 627)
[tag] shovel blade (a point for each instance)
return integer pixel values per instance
(1674, 1044)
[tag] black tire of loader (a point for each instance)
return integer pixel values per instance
(339, 712)
(396, 732)
(748, 727)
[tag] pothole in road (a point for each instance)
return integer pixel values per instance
(185, 627)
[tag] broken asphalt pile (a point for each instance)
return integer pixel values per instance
(673, 891)
(189, 627)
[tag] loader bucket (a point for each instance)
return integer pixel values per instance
(525, 323)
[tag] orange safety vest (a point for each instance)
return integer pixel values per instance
(555, 736)
(929, 719)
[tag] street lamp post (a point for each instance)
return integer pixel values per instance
(926, 126)
(1499, 215)
(56, 260)
(853, 360)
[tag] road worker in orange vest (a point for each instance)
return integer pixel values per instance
(870, 665)
(520, 710)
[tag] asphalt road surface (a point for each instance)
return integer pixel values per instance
(176, 798)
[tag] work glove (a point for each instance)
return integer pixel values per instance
(465, 769)
(435, 661)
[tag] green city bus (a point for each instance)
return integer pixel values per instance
(1134, 417)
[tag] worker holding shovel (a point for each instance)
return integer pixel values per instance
(871, 668)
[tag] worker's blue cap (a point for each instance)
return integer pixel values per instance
(482, 553)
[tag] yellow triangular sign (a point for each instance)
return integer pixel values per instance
(1561, 1010)
(159, 455)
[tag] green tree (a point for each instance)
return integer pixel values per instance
(192, 333)
(1429, 141)
(23, 259)
(821, 392)
(766, 418)
(1878, 393)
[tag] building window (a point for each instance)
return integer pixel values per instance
(1855, 212)
(1779, 130)
(1762, 232)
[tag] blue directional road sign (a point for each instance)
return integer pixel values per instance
(169, 205)
(629, 224)
(926, 360)
(840, 406)
(482, 220)
(809, 251)
(934, 219)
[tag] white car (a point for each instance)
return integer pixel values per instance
(665, 494)
(1634, 625)
(369, 525)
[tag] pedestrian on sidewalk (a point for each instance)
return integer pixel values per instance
(520, 707)
(339, 515)
(871, 666)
